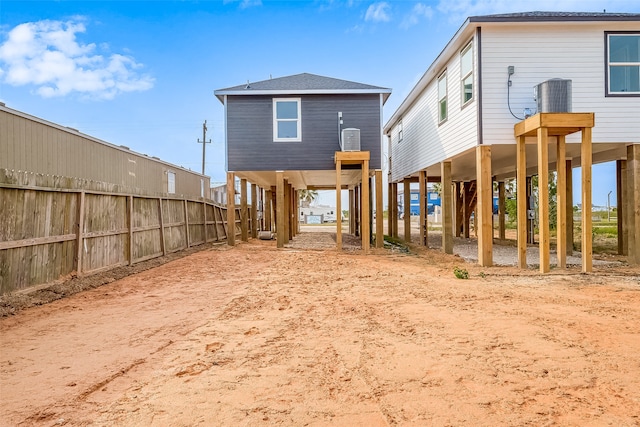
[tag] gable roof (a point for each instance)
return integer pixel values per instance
(300, 84)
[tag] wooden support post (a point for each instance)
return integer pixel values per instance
(501, 211)
(395, 210)
(424, 230)
(530, 233)
(458, 198)
(561, 199)
(244, 211)
(407, 209)
(389, 206)
(79, 232)
(621, 206)
(379, 210)
(280, 210)
(352, 201)
(186, 223)
(267, 210)
(231, 209)
(339, 205)
(587, 229)
(366, 231)
(543, 198)
(447, 210)
(163, 245)
(466, 209)
(569, 221)
(286, 210)
(254, 211)
(356, 210)
(633, 194)
(521, 194)
(484, 205)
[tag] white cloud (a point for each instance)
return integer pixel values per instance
(418, 11)
(244, 4)
(378, 12)
(47, 55)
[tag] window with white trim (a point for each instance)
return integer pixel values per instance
(466, 73)
(171, 182)
(623, 63)
(400, 131)
(442, 97)
(287, 122)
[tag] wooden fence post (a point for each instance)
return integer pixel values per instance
(162, 242)
(79, 238)
(130, 225)
(186, 222)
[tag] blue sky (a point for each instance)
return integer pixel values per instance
(142, 73)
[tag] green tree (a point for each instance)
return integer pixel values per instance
(307, 197)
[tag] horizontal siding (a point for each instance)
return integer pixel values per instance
(426, 143)
(33, 146)
(542, 52)
(250, 145)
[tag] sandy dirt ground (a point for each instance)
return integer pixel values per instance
(252, 335)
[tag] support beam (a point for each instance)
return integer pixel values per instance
(587, 229)
(357, 199)
(633, 195)
(424, 228)
(244, 211)
(379, 210)
(466, 209)
(543, 198)
(366, 231)
(267, 210)
(521, 194)
(254, 211)
(458, 218)
(280, 211)
(621, 206)
(502, 226)
(406, 201)
(231, 209)
(352, 210)
(339, 206)
(393, 202)
(484, 206)
(286, 210)
(569, 222)
(561, 205)
(447, 208)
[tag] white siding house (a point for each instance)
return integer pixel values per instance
(457, 124)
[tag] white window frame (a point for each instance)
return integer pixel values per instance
(468, 49)
(171, 182)
(443, 76)
(609, 65)
(400, 131)
(297, 120)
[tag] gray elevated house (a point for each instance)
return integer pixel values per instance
(285, 133)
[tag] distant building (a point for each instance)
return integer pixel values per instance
(31, 144)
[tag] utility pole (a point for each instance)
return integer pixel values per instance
(204, 142)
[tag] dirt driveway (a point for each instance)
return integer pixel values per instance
(258, 336)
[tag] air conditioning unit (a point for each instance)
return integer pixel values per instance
(553, 96)
(350, 140)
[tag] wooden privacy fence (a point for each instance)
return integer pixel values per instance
(47, 233)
